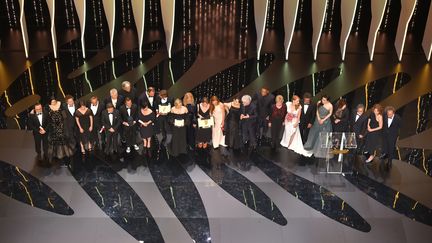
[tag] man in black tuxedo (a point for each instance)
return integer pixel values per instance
(248, 121)
(129, 114)
(162, 126)
(149, 97)
(115, 99)
(307, 117)
(391, 125)
(263, 102)
(358, 125)
(96, 108)
(38, 123)
(71, 128)
(111, 121)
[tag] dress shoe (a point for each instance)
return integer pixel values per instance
(128, 150)
(136, 147)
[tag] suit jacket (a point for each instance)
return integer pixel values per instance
(263, 104)
(392, 132)
(309, 116)
(133, 114)
(359, 127)
(132, 94)
(70, 123)
(97, 123)
(143, 97)
(120, 101)
(250, 110)
(34, 124)
(106, 122)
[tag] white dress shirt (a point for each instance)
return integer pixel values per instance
(39, 116)
(114, 102)
(71, 110)
(389, 121)
(94, 108)
(111, 118)
(150, 99)
(305, 108)
(357, 117)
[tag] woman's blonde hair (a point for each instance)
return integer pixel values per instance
(279, 98)
(188, 99)
(178, 103)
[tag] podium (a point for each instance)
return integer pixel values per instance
(337, 144)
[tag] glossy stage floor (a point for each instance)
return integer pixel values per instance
(271, 196)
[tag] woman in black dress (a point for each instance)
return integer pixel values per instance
(146, 119)
(374, 128)
(204, 134)
(232, 125)
(84, 121)
(340, 118)
(178, 120)
(58, 146)
(189, 103)
(276, 120)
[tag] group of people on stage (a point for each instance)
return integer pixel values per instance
(130, 119)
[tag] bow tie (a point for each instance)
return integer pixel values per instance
(390, 118)
(39, 114)
(110, 113)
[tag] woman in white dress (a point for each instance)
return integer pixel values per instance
(291, 137)
(218, 113)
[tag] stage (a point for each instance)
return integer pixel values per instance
(215, 48)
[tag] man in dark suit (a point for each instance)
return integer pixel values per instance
(358, 125)
(111, 121)
(391, 125)
(71, 128)
(263, 102)
(162, 126)
(96, 108)
(129, 114)
(38, 123)
(149, 97)
(307, 117)
(115, 99)
(248, 121)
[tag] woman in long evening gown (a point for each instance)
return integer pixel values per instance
(276, 120)
(218, 113)
(373, 138)
(58, 146)
(291, 138)
(322, 124)
(84, 121)
(189, 103)
(204, 134)
(179, 120)
(146, 118)
(233, 137)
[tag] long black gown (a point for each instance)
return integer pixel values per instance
(190, 130)
(204, 135)
(373, 139)
(178, 143)
(58, 146)
(233, 137)
(84, 120)
(148, 131)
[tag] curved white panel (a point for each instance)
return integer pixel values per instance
(377, 10)
(51, 8)
(23, 25)
(138, 9)
(318, 14)
(260, 14)
(80, 6)
(406, 13)
(168, 18)
(427, 37)
(109, 8)
(348, 10)
(290, 16)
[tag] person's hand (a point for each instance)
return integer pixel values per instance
(42, 131)
(269, 124)
(360, 136)
(111, 129)
(241, 117)
(81, 130)
(309, 125)
(337, 121)
(320, 121)
(295, 125)
(90, 129)
(247, 116)
(125, 124)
